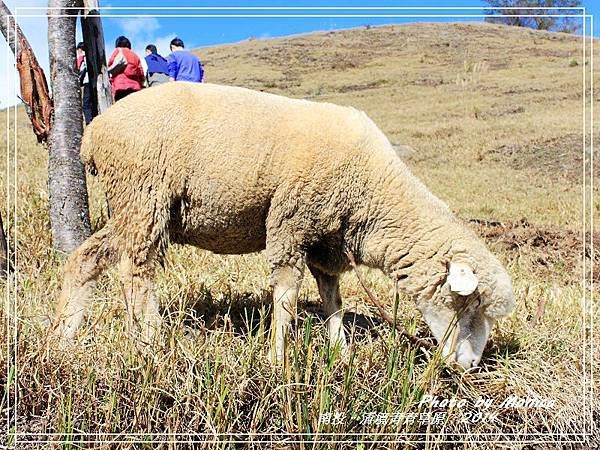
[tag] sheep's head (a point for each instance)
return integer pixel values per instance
(464, 306)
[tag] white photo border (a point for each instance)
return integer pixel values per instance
(291, 438)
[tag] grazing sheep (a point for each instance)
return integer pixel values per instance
(236, 171)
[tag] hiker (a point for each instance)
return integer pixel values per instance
(84, 83)
(158, 68)
(125, 69)
(183, 65)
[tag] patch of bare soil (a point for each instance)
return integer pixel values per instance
(548, 252)
(560, 157)
(500, 111)
(364, 86)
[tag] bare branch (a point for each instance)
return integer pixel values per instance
(5, 265)
(412, 338)
(34, 87)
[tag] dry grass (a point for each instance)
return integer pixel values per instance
(489, 113)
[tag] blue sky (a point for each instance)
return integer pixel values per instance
(206, 31)
(198, 32)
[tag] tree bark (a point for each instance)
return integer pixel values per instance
(69, 213)
(95, 55)
(34, 88)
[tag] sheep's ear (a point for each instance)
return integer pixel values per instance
(461, 278)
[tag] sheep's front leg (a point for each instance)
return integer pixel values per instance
(286, 283)
(329, 290)
(285, 254)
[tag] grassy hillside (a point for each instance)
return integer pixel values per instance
(489, 117)
(476, 102)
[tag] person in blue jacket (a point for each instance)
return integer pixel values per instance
(158, 68)
(183, 65)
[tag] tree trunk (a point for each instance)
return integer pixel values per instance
(95, 56)
(69, 213)
(34, 88)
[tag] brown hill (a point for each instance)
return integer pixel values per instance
(492, 115)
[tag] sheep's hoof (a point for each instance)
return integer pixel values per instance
(58, 337)
(46, 323)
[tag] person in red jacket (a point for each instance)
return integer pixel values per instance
(125, 69)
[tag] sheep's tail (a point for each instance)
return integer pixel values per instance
(86, 152)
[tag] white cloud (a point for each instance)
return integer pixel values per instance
(139, 26)
(163, 43)
(143, 31)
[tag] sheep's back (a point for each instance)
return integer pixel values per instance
(211, 121)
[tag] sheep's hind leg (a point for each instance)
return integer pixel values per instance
(82, 268)
(329, 290)
(143, 314)
(142, 253)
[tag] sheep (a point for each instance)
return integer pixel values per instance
(235, 171)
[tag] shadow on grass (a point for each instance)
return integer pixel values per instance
(242, 313)
(502, 346)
